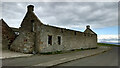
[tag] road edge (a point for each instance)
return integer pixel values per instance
(69, 59)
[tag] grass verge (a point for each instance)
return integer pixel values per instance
(61, 52)
(105, 44)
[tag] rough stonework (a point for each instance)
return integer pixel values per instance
(8, 35)
(69, 39)
(23, 43)
(36, 37)
(0, 34)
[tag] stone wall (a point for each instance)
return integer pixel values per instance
(28, 32)
(34, 37)
(8, 35)
(0, 34)
(69, 39)
(23, 43)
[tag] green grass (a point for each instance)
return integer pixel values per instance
(75, 50)
(105, 44)
(61, 52)
(49, 53)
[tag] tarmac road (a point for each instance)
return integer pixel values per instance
(109, 58)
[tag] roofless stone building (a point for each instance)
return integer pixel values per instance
(34, 36)
(8, 35)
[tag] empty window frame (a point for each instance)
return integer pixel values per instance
(32, 21)
(59, 40)
(75, 33)
(84, 34)
(62, 30)
(33, 25)
(33, 29)
(49, 39)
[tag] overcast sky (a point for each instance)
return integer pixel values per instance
(101, 16)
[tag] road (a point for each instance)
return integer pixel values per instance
(109, 58)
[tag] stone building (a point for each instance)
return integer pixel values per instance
(34, 36)
(8, 35)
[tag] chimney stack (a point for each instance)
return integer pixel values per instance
(88, 26)
(30, 8)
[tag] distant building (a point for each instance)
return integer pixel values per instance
(34, 36)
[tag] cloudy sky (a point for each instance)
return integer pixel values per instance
(101, 16)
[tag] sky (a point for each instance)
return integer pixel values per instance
(101, 16)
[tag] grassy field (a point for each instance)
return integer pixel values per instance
(105, 44)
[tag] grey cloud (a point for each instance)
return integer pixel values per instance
(66, 14)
